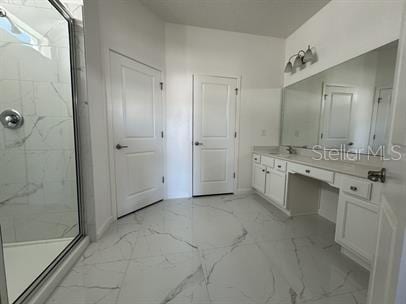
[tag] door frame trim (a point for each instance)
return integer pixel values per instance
(110, 127)
(323, 105)
(237, 128)
(375, 108)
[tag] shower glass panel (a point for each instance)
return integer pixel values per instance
(39, 214)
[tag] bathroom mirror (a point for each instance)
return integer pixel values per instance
(346, 107)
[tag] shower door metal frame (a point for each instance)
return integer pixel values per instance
(3, 280)
(41, 279)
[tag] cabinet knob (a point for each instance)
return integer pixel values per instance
(353, 188)
(263, 170)
(279, 166)
(307, 171)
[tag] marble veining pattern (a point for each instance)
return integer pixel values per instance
(38, 185)
(215, 250)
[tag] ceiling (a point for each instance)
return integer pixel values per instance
(276, 18)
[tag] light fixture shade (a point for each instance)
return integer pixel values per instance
(289, 67)
(308, 56)
(298, 61)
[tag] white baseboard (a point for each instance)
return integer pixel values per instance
(244, 191)
(104, 227)
(48, 287)
(178, 195)
(356, 258)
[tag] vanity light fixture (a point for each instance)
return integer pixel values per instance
(300, 59)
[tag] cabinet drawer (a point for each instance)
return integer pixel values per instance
(316, 173)
(357, 187)
(267, 161)
(256, 158)
(280, 165)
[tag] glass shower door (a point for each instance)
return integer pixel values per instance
(39, 213)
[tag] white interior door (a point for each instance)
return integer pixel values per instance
(137, 122)
(336, 119)
(388, 279)
(214, 127)
(380, 124)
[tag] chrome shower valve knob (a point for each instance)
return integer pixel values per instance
(11, 119)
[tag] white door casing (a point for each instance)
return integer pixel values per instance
(136, 99)
(214, 130)
(336, 116)
(380, 118)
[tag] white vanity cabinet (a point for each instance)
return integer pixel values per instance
(258, 177)
(294, 188)
(357, 219)
(269, 178)
(275, 186)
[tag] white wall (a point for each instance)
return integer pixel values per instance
(131, 29)
(343, 30)
(258, 60)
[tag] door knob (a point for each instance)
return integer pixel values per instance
(119, 147)
(198, 143)
(376, 176)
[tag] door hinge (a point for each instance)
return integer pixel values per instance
(234, 175)
(374, 137)
(236, 91)
(163, 179)
(162, 86)
(321, 136)
(379, 100)
(162, 134)
(235, 134)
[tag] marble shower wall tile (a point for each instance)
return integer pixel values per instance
(38, 198)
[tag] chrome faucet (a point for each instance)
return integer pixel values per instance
(291, 150)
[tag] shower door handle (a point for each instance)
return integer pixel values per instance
(3, 281)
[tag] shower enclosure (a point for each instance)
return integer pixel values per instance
(40, 210)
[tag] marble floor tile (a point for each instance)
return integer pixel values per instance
(90, 284)
(234, 249)
(177, 278)
(315, 272)
(243, 275)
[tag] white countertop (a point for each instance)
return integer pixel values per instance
(354, 168)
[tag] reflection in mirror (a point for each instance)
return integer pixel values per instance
(346, 107)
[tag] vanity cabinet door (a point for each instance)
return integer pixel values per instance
(275, 186)
(258, 177)
(357, 223)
